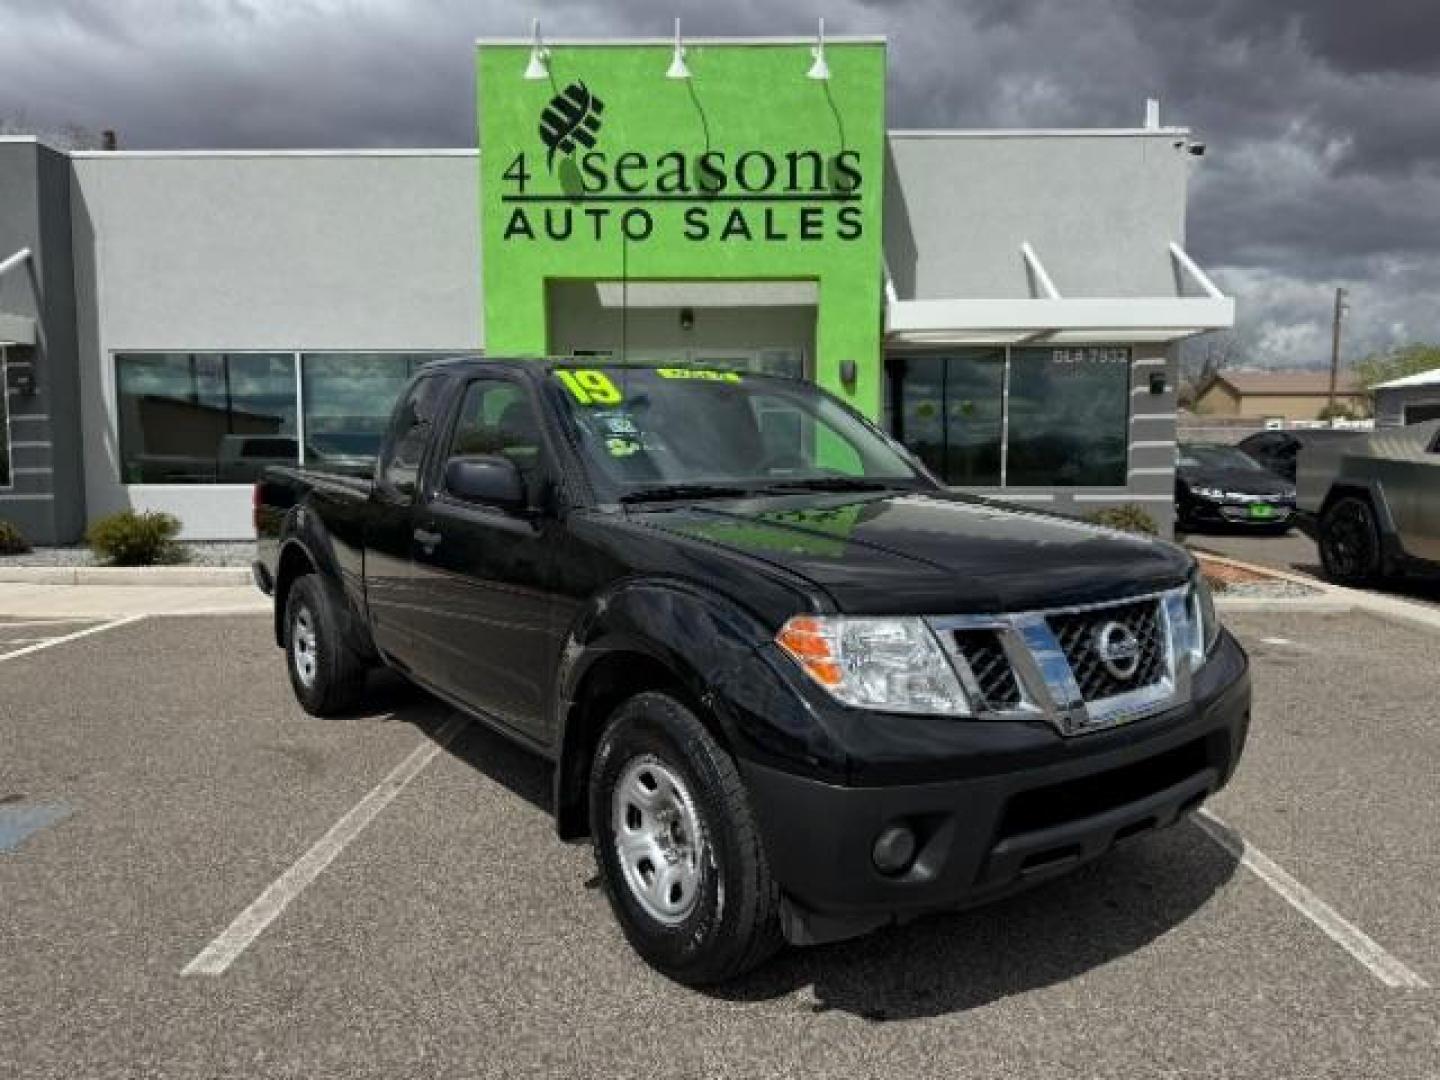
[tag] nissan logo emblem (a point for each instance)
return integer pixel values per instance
(1118, 649)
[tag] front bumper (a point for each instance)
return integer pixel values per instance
(995, 832)
(1241, 514)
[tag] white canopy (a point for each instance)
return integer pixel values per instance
(1424, 378)
(1052, 318)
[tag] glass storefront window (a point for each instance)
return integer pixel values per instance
(948, 410)
(1069, 417)
(204, 418)
(6, 479)
(1021, 417)
(348, 400)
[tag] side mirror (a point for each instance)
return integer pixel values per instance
(489, 480)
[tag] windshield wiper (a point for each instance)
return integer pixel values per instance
(681, 492)
(832, 483)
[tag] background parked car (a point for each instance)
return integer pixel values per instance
(1377, 503)
(1218, 485)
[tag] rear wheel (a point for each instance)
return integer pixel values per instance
(1350, 542)
(326, 674)
(678, 847)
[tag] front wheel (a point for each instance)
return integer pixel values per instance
(1350, 542)
(677, 845)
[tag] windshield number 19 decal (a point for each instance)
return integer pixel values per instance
(590, 387)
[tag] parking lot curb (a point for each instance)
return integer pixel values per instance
(145, 576)
(1317, 605)
(1335, 599)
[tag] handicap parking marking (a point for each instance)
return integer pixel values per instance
(50, 642)
(1381, 964)
(19, 820)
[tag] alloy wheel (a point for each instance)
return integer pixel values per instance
(1351, 540)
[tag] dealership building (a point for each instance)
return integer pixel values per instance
(1007, 303)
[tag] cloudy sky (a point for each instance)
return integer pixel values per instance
(1322, 117)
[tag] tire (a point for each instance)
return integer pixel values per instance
(1350, 542)
(708, 908)
(327, 675)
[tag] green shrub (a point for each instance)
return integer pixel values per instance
(1126, 518)
(12, 540)
(131, 539)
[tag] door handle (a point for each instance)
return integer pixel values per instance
(427, 539)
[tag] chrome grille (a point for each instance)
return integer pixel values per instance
(981, 649)
(1049, 664)
(1077, 633)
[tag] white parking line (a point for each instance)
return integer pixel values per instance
(251, 923)
(1340, 930)
(70, 637)
(6, 624)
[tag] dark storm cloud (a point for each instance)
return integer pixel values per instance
(1320, 115)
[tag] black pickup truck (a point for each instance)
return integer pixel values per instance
(792, 687)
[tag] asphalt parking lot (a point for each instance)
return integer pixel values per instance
(403, 908)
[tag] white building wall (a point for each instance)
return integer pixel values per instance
(1099, 209)
(367, 251)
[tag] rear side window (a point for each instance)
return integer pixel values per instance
(415, 418)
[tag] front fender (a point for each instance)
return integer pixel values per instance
(1374, 488)
(694, 640)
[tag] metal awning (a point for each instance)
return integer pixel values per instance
(16, 330)
(1052, 318)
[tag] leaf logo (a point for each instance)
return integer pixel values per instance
(573, 116)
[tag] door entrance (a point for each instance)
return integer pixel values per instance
(789, 362)
(764, 327)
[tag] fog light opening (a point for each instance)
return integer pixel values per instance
(894, 849)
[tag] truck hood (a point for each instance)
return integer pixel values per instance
(931, 553)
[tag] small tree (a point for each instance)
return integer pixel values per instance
(1339, 411)
(1397, 362)
(1204, 356)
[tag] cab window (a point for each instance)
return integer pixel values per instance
(496, 418)
(409, 435)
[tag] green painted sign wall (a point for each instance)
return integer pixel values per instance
(748, 171)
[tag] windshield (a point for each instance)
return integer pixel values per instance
(653, 433)
(1217, 457)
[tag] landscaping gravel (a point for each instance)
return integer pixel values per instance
(1269, 590)
(207, 553)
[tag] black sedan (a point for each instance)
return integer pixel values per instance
(1222, 485)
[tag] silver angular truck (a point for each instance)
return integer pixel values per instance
(1375, 502)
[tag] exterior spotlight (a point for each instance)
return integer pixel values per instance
(539, 66)
(819, 69)
(678, 68)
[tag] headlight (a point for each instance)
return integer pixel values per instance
(1208, 493)
(891, 665)
(1204, 623)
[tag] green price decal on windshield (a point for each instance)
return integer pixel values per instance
(701, 374)
(590, 387)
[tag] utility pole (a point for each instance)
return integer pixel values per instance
(1335, 350)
